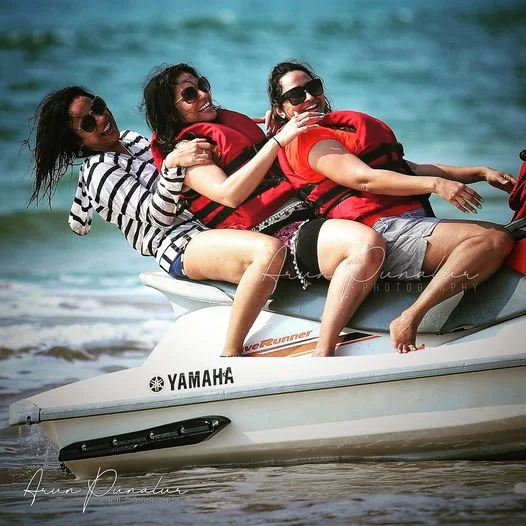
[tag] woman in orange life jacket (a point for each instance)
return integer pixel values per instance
(356, 161)
(241, 191)
(119, 180)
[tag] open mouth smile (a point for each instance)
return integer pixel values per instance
(205, 107)
(108, 128)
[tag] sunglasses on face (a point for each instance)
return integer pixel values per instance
(88, 122)
(190, 94)
(298, 94)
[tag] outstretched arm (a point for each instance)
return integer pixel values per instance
(211, 181)
(330, 158)
(467, 174)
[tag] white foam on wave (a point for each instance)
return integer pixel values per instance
(22, 301)
(83, 336)
(520, 488)
(35, 355)
(36, 319)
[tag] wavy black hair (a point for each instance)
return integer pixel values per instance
(274, 87)
(57, 146)
(158, 104)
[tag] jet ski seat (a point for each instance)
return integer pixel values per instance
(500, 298)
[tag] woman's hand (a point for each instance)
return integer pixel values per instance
(501, 180)
(271, 125)
(297, 125)
(458, 194)
(189, 153)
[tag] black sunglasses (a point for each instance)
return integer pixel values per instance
(298, 94)
(190, 93)
(88, 122)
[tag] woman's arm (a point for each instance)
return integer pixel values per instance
(143, 193)
(112, 187)
(330, 158)
(467, 174)
(211, 181)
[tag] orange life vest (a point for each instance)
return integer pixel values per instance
(373, 142)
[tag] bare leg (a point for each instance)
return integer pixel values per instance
(350, 255)
(463, 254)
(251, 260)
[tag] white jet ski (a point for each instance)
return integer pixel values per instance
(464, 396)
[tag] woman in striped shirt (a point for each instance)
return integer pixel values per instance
(119, 180)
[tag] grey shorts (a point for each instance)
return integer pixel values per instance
(406, 244)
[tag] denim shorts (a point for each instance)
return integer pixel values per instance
(177, 267)
(405, 237)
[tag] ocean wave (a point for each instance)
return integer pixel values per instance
(82, 341)
(71, 304)
(136, 37)
(30, 41)
(8, 106)
(8, 134)
(29, 85)
(500, 19)
(42, 224)
(34, 355)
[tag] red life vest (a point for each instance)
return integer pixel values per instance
(374, 143)
(236, 139)
(517, 200)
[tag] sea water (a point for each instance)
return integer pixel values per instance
(449, 78)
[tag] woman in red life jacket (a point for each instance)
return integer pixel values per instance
(243, 190)
(118, 179)
(352, 166)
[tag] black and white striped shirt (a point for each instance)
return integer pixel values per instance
(128, 191)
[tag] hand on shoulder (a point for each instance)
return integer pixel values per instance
(190, 153)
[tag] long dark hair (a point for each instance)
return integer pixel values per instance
(56, 144)
(158, 104)
(274, 87)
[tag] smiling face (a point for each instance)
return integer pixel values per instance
(105, 136)
(293, 79)
(198, 110)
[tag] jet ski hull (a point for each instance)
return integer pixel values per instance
(463, 397)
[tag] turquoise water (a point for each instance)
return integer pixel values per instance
(451, 81)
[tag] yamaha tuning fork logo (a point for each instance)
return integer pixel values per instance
(156, 384)
(192, 379)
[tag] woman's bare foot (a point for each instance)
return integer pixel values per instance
(403, 334)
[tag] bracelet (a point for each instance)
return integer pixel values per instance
(279, 144)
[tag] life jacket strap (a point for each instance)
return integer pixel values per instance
(394, 154)
(221, 215)
(392, 151)
(243, 157)
(272, 179)
(336, 194)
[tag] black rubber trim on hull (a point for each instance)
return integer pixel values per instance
(182, 433)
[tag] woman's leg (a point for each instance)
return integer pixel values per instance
(350, 255)
(461, 255)
(251, 260)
